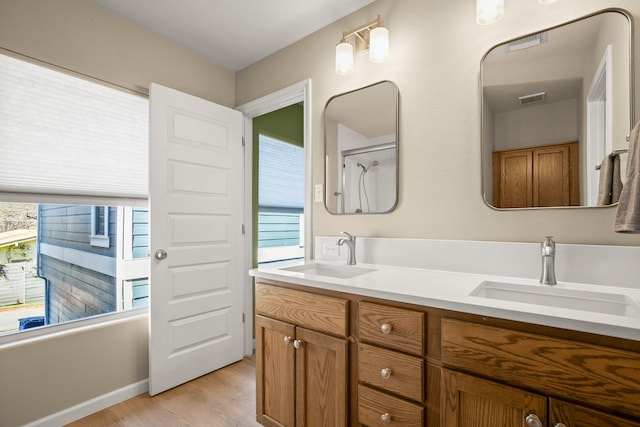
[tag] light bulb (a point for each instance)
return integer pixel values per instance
(344, 58)
(378, 44)
(489, 11)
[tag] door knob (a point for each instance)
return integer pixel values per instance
(297, 343)
(160, 254)
(287, 340)
(385, 373)
(532, 420)
(385, 418)
(386, 328)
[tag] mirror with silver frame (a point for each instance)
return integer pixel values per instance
(361, 150)
(557, 106)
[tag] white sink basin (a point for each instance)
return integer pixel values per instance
(596, 302)
(330, 270)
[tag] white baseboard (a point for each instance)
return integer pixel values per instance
(91, 406)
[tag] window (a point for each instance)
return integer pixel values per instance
(100, 226)
(68, 142)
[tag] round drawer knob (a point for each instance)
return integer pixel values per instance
(532, 420)
(287, 340)
(297, 343)
(386, 328)
(385, 418)
(385, 373)
(560, 425)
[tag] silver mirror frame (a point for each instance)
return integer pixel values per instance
(632, 115)
(396, 113)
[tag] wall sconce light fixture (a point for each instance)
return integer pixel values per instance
(373, 36)
(490, 11)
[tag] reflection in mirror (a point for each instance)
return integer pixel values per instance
(361, 150)
(556, 106)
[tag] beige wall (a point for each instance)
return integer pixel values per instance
(436, 49)
(48, 375)
(436, 52)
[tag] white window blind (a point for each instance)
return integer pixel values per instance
(280, 174)
(61, 134)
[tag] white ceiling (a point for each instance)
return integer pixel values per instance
(233, 33)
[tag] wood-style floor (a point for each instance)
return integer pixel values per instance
(224, 398)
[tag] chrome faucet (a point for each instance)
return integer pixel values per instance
(548, 247)
(351, 244)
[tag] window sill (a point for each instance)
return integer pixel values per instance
(51, 331)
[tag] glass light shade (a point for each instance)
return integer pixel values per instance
(378, 44)
(344, 58)
(547, 1)
(489, 11)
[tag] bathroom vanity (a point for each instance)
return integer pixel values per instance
(412, 347)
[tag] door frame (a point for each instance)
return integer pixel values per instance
(299, 92)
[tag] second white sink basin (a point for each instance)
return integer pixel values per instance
(596, 302)
(330, 270)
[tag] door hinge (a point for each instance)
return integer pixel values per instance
(243, 318)
(243, 141)
(243, 229)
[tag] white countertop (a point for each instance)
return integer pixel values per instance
(451, 291)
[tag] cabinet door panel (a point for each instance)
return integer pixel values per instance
(275, 386)
(474, 402)
(321, 380)
(516, 185)
(578, 416)
(551, 176)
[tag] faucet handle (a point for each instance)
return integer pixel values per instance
(351, 237)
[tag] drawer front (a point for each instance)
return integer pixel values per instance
(373, 405)
(392, 327)
(595, 375)
(317, 312)
(392, 371)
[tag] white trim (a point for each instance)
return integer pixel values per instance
(599, 123)
(100, 240)
(299, 92)
(100, 263)
(91, 406)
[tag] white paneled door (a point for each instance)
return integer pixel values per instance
(196, 211)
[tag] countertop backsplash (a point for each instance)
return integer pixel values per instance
(589, 264)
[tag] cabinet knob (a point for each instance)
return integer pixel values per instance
(386, 328)
(385, 418)
(385, 373)
(560, 425)
(297, 343)
(532, 420)
(287, 340)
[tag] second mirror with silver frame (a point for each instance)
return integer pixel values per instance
(361, 150)
(556, 105)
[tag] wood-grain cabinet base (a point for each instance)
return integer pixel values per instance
(367, 362)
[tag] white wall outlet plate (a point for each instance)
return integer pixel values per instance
(330, 250)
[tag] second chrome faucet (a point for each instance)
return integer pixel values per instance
(351, 244)
(548, 249)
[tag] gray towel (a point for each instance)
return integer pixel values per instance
(610, 183)
(628, 213)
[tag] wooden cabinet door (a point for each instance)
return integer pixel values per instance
(474, 402)
(570, 415)
(516, 184)
(551, 181)
(321, 379)
(275, 370)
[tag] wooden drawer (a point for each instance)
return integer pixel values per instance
(373, 404)
(317, 312)
(406, 372)
(406, 327)
(577, 371)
